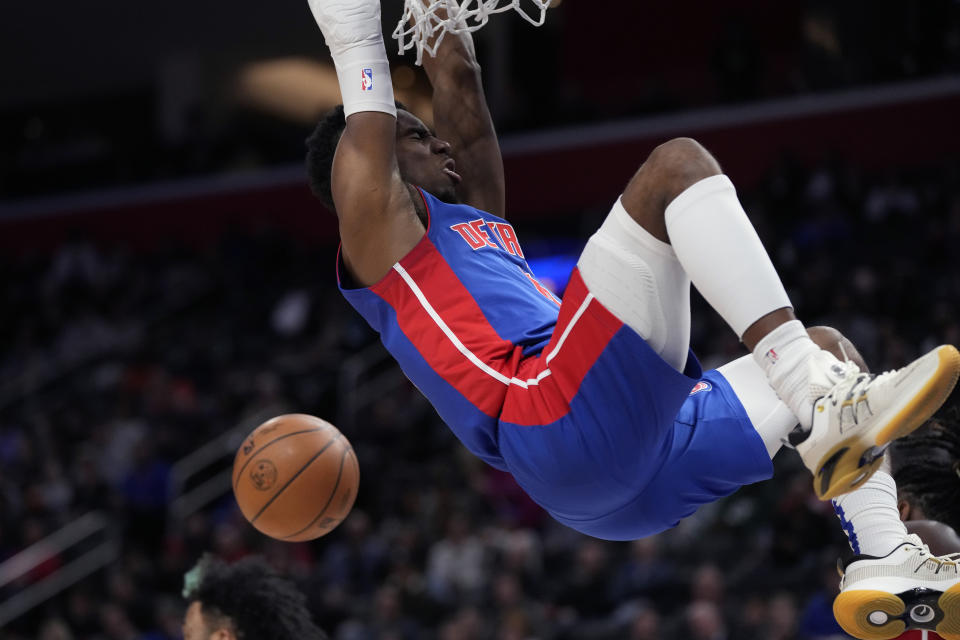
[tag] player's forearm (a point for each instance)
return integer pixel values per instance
(462, 118)
(455, 76)
(460, 109)
(455, 62)
(459, 104)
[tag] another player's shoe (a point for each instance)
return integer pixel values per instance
(909, 588)
(857, 415)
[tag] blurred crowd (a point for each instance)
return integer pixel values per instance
(115, 364)
(731, 53)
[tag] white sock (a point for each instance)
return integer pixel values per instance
(870, 518)
(768, 414)
(783, 354)
(721, 252)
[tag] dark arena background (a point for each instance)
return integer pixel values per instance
(167, 283)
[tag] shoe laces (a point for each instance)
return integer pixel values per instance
(851, 379)
(846, 378)
(856, 382)
(848, 369)
(948, 560)
(851, 383)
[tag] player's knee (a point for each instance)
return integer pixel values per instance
(831, 340)
(824, 336)
(668, 171)
(679, 163)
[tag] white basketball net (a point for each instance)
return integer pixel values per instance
(423, 20)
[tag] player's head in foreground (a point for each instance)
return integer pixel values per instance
(246, 600)
(424, 159)
(926, 466)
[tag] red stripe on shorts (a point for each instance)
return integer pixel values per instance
(451, 300)
(549, 401)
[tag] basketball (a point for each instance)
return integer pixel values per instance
(295, 477)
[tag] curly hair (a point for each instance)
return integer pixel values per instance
(926, 466)
(255, 599)
(321, 147)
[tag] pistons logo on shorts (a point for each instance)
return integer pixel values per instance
(700, 386)
(366, 80)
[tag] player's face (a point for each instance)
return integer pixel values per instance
(195, 627)
(425, 159)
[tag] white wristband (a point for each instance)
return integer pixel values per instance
(365, 82)
(354, 35)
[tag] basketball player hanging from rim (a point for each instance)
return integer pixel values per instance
(588, 402)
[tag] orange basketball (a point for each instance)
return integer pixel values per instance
(295, 477)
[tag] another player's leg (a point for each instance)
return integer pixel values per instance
(848, 418)
(893, 583)
(876, 601)
(888, 590)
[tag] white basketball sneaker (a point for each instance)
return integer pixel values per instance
(857, 415)
(907, 589)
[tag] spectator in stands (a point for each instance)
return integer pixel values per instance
(457, 562)
(645, 625)
(705, 621)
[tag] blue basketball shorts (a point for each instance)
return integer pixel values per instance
(613, 441)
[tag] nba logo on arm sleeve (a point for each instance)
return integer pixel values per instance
(366, 80)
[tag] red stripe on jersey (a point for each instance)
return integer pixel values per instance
(550, 400)
(919, 635)
(451, 300)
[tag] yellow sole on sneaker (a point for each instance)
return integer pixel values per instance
(857, 612)
(949, 627)
(845, 459)
(928, 400)
(847, 471)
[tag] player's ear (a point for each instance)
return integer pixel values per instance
(904, 508)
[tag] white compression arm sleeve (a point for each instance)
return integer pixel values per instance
(722, 254)
(354, 35)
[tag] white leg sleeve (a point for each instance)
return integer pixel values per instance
(720, 250)
(772, 419)
(639, 279)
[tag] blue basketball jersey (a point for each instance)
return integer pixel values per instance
(591, 422)
(459, 313)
